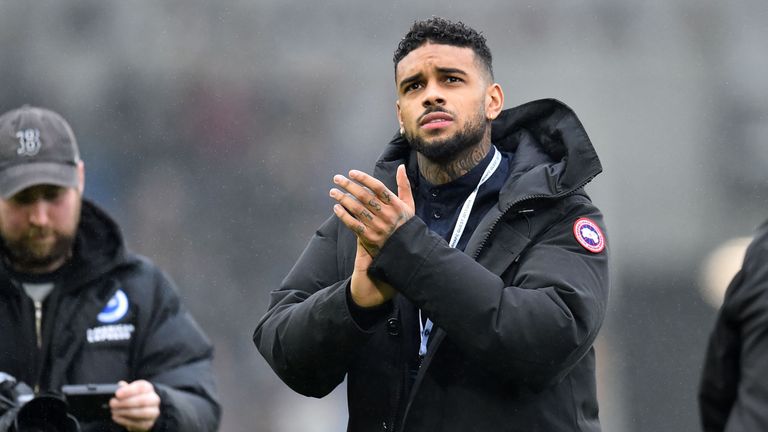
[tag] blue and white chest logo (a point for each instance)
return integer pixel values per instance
(588, 235)
(115, 309)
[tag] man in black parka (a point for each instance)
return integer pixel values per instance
(75, 306)
(470, 299)
(733, 394)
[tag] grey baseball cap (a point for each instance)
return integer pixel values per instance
(37, 146)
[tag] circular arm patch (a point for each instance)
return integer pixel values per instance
(588, 235)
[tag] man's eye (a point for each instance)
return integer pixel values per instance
(454, 80)
(414, 86)
(23, 199)
(52, 195)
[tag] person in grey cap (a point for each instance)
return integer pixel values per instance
(76, 307)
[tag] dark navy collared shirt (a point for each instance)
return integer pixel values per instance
(439, 205)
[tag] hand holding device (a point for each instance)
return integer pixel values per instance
(89, 402)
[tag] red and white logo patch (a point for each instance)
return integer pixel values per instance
(588, 234)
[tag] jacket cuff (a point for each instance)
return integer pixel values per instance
(404, 254)
(367, 317)
(165, 419)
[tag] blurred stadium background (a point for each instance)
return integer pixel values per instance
(211, 130)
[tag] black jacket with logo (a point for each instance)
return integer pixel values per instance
(112, 316)
(516, 313)
(733, 395)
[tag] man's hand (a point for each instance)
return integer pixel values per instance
(136, 406)
(365, 291)
(370, 209)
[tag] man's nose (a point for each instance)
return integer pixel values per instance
(38, 213)
(433, 96)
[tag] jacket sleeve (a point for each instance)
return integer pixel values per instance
(532, 330)
(176, 357)
(720, 376)
(308, 336)
(733, 395)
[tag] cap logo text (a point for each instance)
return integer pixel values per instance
(29, 142)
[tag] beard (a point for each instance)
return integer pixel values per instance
(445, 150)
(25, 255)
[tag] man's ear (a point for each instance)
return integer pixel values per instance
(80, 177)
(399, 116)
(494, 101)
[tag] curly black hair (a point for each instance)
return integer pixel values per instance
(442, 31)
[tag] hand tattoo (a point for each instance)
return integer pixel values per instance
(366, 214)
(386, 197)
(373, 203)
(400, 220)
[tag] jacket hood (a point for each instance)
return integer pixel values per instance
(553, 154)
(99, 248)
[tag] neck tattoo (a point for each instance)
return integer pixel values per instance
(441, 173)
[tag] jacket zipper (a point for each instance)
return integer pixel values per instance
(39, 323)
(518, 201)
(395, 400)
(38, 332)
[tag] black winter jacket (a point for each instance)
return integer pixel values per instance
(733, 395)
(144, 333)
(516, 313)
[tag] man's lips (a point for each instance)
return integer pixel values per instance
(40, 237)
(435, 120)
(41, 240)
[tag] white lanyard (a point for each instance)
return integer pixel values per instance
(466, 209)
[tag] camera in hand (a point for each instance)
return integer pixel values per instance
(22, 411)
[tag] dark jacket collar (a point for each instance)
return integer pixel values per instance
(553, 154)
